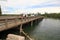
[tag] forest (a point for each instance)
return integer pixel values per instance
(51, 15)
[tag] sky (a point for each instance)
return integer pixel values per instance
(29, 6)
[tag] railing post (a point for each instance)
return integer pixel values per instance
(21, 19)
(16, 21)
(6, 22)
(25, 18)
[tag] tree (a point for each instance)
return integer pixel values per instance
(0, 11)
(29, 14)
(38, 14)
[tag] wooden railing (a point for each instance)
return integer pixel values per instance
(7, 22)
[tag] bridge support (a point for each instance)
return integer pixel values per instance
(31, 23)
(35, 21)
(21, 29)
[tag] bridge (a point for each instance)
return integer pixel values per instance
(7, 22)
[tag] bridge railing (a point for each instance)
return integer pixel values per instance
(7, 22)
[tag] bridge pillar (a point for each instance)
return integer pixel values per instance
(35, 21)
(31, 23)
(21, 29)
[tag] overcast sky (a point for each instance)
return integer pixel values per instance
(29, 6)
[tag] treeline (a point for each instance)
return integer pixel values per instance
(52, 15)
(0, 11)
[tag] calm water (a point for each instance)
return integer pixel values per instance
(47, 29)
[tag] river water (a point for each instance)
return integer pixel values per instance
(47, 29)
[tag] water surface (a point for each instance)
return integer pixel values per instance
(47, 29)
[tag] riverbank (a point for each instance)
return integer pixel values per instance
(52, 15)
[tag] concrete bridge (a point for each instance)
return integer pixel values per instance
(7, 22)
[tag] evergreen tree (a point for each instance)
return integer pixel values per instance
(0, 11)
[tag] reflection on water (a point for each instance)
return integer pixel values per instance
(47, 29)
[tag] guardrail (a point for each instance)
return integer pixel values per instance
(7, 22)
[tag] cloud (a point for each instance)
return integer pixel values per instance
(26, 6)
(53, 3)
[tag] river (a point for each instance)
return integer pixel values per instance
(47, 29)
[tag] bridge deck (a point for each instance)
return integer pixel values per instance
(7, 22)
